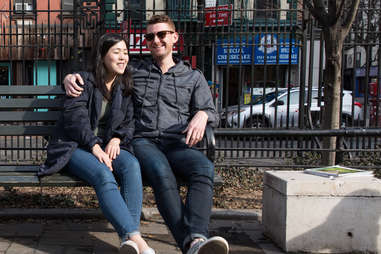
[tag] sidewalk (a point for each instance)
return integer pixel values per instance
(73, 235)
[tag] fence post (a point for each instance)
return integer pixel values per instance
(76, 24)
(339, 149)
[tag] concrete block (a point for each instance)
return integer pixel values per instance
(308, 213)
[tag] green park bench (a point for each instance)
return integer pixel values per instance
(27, 118)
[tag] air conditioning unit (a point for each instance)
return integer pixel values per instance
(68, 5)
(20, 7)
(349, 61)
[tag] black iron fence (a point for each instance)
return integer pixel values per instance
(264, 62)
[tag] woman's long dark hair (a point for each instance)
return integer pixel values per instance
(105, 42)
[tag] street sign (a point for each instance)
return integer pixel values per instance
(220, 16)
(277, 51)
(233, 52)
(270, 44)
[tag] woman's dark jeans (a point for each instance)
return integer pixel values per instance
(163, 159)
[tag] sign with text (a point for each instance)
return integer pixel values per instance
(269, 44)
(242, 52)
(210, 3)
(233, 53)
(218, 16)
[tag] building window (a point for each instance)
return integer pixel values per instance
(266, 8)
(182, 9)
(135, 9)
(24, 6)
(4, 75)
(67, 5)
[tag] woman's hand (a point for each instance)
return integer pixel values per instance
(102, 156)
(113, 148)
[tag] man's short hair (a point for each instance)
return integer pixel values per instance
(155, 19)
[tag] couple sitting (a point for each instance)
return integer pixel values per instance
(155, 110)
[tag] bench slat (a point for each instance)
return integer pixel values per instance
(19, 180)
(22, 103)
(18, 168)
(26, 176)
(28, 116)
(30, 90)
(12, 130)
(30, 179)
(62, 180)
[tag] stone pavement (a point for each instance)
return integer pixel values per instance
(71, 235)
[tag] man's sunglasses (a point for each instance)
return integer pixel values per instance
(161, 35)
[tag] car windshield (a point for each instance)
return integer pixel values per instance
(259, 99)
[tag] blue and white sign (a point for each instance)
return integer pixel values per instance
(267, 44)
(240, 52)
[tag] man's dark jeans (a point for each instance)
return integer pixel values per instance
(161, 161)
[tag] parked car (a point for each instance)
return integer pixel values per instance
(261, 111)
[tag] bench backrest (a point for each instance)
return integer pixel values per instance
(27, 118)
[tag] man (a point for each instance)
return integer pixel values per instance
(173, 105)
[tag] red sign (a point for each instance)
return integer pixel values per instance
(221, 16)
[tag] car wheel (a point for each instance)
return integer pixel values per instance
(256, 122)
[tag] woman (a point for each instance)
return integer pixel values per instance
(93, 142)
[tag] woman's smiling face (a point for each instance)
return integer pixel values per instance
(116, 58)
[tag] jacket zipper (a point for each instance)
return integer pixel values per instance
(157, 104)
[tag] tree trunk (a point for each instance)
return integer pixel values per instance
(336, 20)
(332, 89)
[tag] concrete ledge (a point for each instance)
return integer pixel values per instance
(314, 214)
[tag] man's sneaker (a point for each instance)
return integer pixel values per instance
(196, 246)
(129, 247)
(214, 245)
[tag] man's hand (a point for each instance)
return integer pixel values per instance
(196, 128)
(102, 156)
(71, 87)
(113, 148)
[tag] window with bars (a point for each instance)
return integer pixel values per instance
(24, 6)
(135, 9)
(266, 8)
(4, 75)
(182, 9)
(67, 5)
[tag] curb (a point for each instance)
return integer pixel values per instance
(147, 213)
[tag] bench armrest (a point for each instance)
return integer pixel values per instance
(210, 143)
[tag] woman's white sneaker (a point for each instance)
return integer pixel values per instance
(149, 251)
(128, 247)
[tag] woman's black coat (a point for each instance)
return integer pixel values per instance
(80, 117)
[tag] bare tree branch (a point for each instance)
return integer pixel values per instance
(351, 15)
(340, 13)
(317, 10)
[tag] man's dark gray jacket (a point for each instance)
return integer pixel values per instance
(165, 103)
